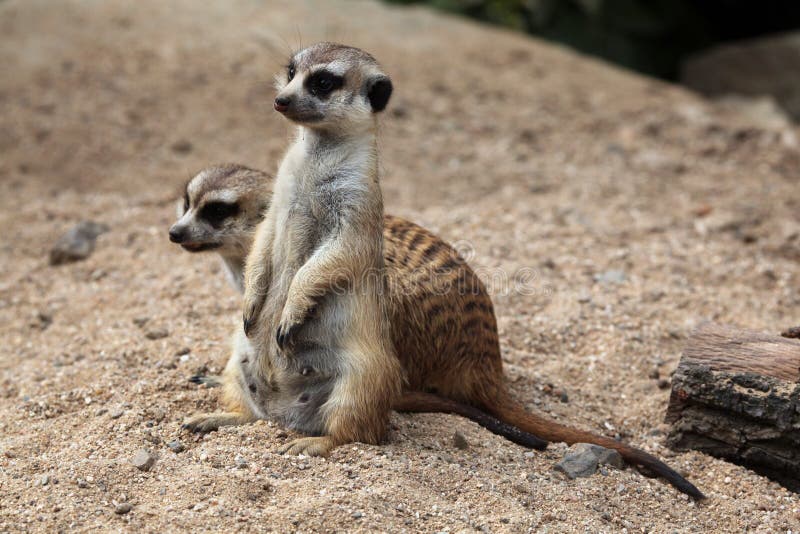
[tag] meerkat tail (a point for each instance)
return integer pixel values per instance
(209, 381)
(419, 402)
(513, 413)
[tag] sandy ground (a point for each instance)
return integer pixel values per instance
(639, 208)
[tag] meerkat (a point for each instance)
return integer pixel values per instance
(319, 357)
(220, 209)
(454, 352)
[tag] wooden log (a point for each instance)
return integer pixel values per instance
(736, 395)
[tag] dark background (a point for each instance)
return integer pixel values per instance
(649, 36)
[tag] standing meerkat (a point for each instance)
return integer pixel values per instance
(321, 359)
(323, 362)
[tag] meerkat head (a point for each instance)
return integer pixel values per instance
(331, 86)
(220, 209)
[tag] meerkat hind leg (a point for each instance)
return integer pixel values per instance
(208, 422)
(313, 446)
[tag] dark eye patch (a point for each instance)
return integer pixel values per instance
(185, 201)
(216, 212)
(323, 82)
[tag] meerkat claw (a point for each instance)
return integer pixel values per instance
(210, 381)
(285, 335)
(247, 324)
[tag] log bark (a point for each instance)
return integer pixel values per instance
(736, 395)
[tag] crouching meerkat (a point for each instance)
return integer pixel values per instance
(455, 352)
(440, 313)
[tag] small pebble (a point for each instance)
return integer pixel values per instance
(116, 414)
(123, 508)
(77, 244)
(182, 146)
(459, 441)
(176, 446)
(356, 515)
(143, 460)
(240, 461)
(157, 333)
(610, 277)
(583, 459)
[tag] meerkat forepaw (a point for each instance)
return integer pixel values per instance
(316, 446)
(208, 422)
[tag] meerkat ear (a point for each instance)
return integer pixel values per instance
(378, 92)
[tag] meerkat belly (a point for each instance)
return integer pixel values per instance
(292, 385)
(294, 388)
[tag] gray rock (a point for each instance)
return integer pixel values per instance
(143, 460)
(240, 461)
(123, 508)
(157, 333)
(176, 446)
(582, 459)
(768, 65)
(460, 442)
(182, 146)
(762, 111)
(612, 276)
(608, 457)
(77, 244)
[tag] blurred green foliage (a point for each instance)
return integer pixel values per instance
(650, 36)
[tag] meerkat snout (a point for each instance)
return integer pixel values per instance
(177, 234)
(282, 103)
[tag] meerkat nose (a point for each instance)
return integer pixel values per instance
(177, 235)
(282, 103)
